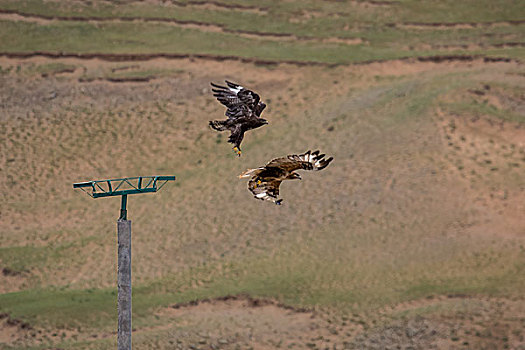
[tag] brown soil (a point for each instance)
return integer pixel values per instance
(12, 330)
(232, 322)
(442, 322)
(457, 322)
(11, 280)
(235, 321)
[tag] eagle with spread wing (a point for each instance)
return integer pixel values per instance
(244, 108)
(265, 181)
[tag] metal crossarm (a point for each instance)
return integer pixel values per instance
(125, 186)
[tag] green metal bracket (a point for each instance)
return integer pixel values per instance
(123, 187)
(119, 187)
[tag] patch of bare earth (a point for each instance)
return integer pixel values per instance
(12, 331)
(11, 280)
(20, 335)
(449, 322)
(489, 155)
(243, 321)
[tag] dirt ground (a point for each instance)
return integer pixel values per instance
(444, 322)
(483, 156)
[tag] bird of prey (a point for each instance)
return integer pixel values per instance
(244, 108)
(265, 181)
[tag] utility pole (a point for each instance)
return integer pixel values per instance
(123, 187)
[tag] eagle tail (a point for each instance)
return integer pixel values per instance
(219, 125)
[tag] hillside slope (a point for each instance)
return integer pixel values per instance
(413, 236)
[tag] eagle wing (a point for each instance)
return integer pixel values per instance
(307, 161)
(265, 189)
(265, 181)
(240, 102)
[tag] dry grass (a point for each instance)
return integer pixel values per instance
(424, 199)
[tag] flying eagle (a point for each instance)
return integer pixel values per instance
(265, 181)
(244, 108)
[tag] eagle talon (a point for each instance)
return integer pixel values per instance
(237, 151)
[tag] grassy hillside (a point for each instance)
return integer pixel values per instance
(292, 31)
(416, 226)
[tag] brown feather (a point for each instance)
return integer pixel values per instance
(265, 181)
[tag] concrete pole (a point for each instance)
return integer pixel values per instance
(124, 284)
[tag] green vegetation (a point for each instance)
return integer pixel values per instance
(47, 69)
(297, 280)
(318, 37)
(292, 16)
(54, 68)
(129, 38)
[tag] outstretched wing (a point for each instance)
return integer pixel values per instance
(240, 102)
(265, 190)
(307, 161)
